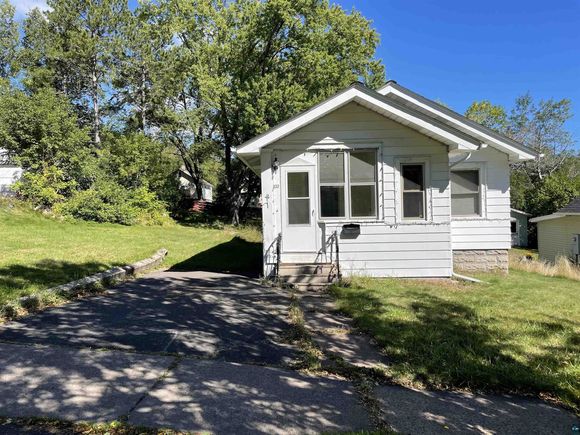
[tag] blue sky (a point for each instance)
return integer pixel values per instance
(461, 51)
(458, 51)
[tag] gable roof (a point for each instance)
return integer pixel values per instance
(403, 106)
(572, 209)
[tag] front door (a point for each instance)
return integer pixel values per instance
(299, 243)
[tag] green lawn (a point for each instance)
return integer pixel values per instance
(38, 252)
(518, 333)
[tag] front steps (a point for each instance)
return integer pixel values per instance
(303, 276)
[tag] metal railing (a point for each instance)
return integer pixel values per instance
(278, 255)
(337, 250)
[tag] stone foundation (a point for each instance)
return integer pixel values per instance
(481, 260)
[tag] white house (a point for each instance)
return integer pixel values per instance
(9, 173)
(398, 184)
(188, 187)
(559, 233)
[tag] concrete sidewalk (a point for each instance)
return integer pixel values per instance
(160, 391)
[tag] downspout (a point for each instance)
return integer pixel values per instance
(461, 160)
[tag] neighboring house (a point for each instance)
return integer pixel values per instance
(404, 186)
(188, 187)
(519, 227)
(559, 233)
(9, 173)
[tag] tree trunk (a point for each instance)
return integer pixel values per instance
(143, 98)
(198, 181)
(96, 108)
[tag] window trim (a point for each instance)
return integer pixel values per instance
(472, 166)
(417, 160)
(344, 185)
(287, 198)
(479, 188)
(347, 185)
(424, 192)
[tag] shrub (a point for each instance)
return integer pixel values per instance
(107, 201)
(45, 188)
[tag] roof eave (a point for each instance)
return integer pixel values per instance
(366, 97)
(552, 216)
(515, 150)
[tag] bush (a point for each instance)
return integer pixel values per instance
(107, 201)
(45, 188)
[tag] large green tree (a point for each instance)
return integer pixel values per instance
(547, 183)
(9, 40)
(238, 68)
(70, 47)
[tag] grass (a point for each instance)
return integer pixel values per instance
(519, 333)
(63, 427)
(40, 252)
(528, 261)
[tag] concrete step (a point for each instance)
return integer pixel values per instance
(311, 287)
(305, 269)
(307, 279)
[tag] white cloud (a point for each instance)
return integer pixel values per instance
(25, 6)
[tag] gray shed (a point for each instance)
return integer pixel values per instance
(519, 227)
(559, 233)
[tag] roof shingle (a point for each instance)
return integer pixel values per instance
(573, 207)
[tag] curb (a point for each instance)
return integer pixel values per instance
(102, 278)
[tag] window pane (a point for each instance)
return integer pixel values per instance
(298, 211)
(514, 227)
(466, 204)
(332, 201)
(362, 201)
(331, 167)
(412, 177)
(362, 166)
(464, 182)
(413, 205)
(298, 185)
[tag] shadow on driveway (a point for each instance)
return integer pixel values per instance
(200, 314)
(236, 256)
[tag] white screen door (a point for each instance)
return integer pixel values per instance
(298, 217)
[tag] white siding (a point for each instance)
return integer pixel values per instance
(387, 246)
(8, 175)
(492, 229)
(555, 237)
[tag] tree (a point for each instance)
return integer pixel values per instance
(70, 47)
(140, 49)
(541, 127)
(41, 130)
(9, 39)
(41, 133)
(545, 184)
(245, 66)
(489, 115)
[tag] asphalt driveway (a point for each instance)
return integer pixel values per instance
(194, 351)
(200, 314)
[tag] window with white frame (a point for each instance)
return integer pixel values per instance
(348, 184)
(413, 190)
(465, 193)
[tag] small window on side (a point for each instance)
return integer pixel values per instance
(514, 227)
(413, 192)
(465, 193)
